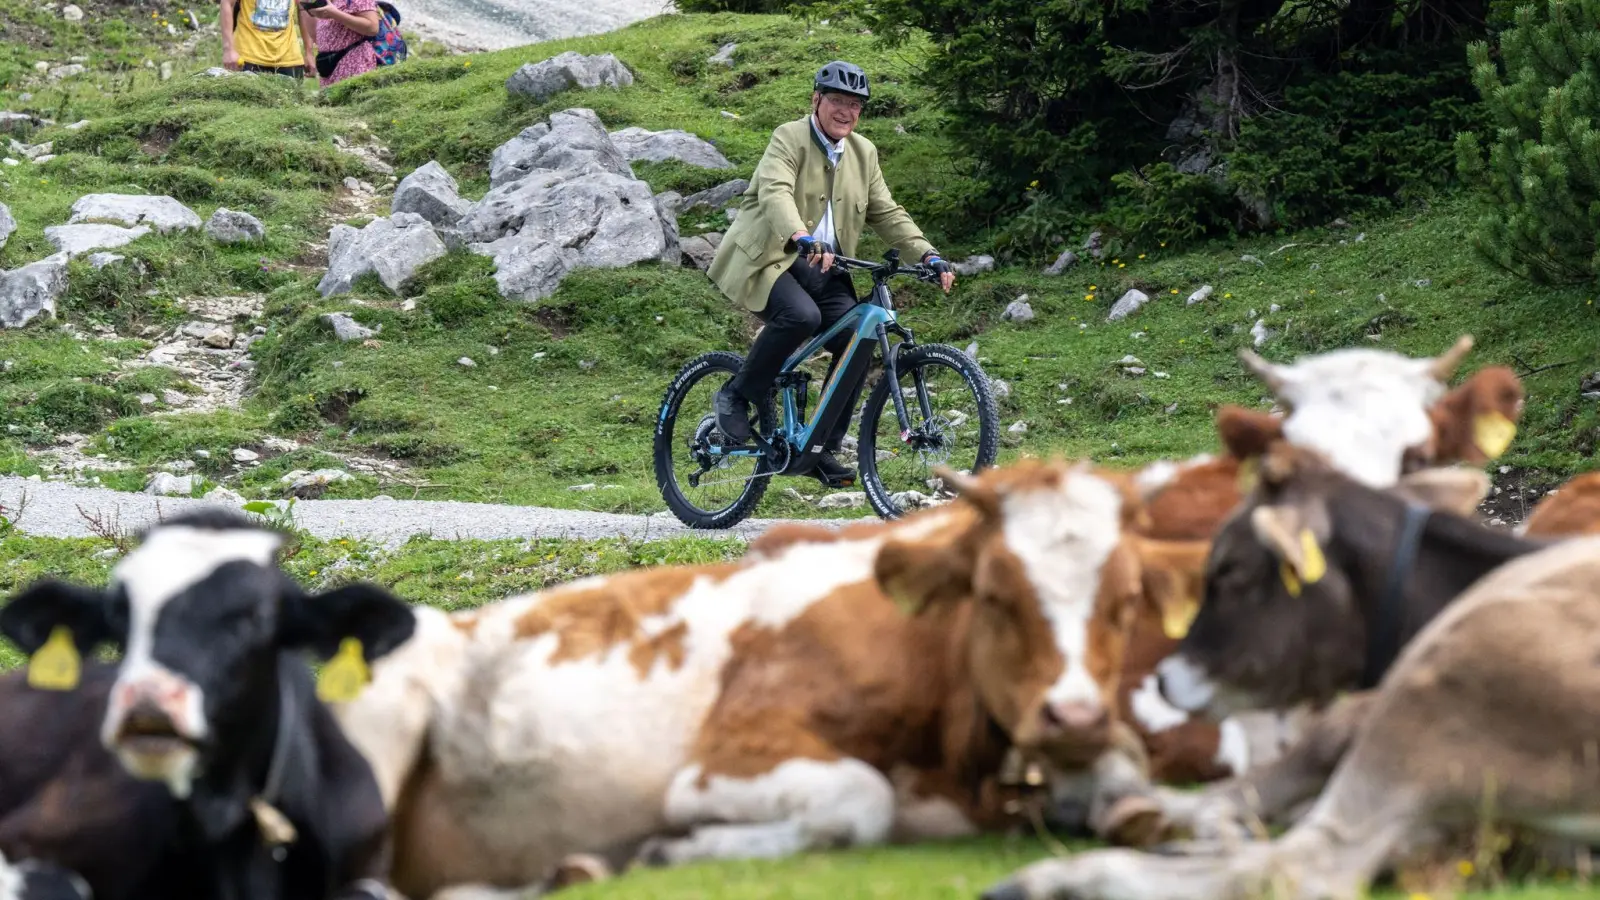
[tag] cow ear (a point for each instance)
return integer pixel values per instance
(985, 498)
(1247, 433)
(1453, 490)
(1295, 538)
(35, 613)
(1172, 575)
(322, 623)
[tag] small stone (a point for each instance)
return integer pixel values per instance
(220, 338)
(1018, 428)
(101, 260)
(1259, 332)
(973, 265)
(1423, 282)
(1000, 388)
(582, 487)
(1274, 308)
(586, 364)
(228, 226)
(147, 399)
(240, 454)
(1127, 305)
(724, 55)
(1161, 374)
(72, 13)
(843, 500)
(174, 398)
(202, 454)
(1200, 296)
(1065, 261)
(1251, 259)
(467, 362)
(169, 485)
(972, 350)
(280, 445)
(408, 306)
(347, 329)
(1018, 310)
(223, 495)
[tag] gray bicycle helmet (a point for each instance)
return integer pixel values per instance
(843, 77)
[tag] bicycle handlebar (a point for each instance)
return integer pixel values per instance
(917, 270)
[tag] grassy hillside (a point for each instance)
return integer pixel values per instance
(564, 391)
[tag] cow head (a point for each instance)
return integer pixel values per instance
(1474, 423)
(201, 612)
(1045, 558)
(1361, 408)
(1279, 622)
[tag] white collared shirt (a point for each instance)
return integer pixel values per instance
(835, 151)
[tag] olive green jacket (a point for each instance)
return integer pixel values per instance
(788, 194)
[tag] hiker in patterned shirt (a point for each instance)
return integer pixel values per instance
(343, 27)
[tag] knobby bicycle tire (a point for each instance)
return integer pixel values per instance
(701, 367)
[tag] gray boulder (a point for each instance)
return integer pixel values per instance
(431, 193)
(76, 240)
(15, 122)
(101, 260)
(724, 55)
(166, 484)
(1018, 310)
(394, 248)
(1065, 261)
(164, 214)
(640, 145)
(717, 197)
(1127, 305)
(550, 225)
(973, 265)
(57, 73)
(348, 329)
(231, 227)
(573, 141)
(7, 225)
(31, 290)
(701, 249)
(542, 80)
(667, 210)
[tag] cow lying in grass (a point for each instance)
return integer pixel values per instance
(1484, 654)
(756, 708)
(203, 763)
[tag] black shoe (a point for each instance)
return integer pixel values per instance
(733, 416)
(831, 472)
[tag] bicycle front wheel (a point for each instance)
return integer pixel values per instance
(702, 489)
(962, 432)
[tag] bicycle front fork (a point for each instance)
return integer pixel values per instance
(891, 371)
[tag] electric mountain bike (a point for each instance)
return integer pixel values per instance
(940, 398)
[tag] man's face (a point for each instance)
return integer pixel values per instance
(837, 113)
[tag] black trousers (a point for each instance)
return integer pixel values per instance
(291, 71)
(804, 301)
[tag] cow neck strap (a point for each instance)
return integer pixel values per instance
(1383, 637)
(275, 827)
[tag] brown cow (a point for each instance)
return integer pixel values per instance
(1492, 704)
(1572, 509)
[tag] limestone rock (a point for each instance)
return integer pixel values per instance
(1127, 305)
(1018, 310)
(540, 228)
(717, 197)
(72, 13)
(973, 265)
(572, 142)
(169, 485)
(101, 260)
(431, 193)
(1200, 296)
(76, 240)
(162, 213)
(394, 248)
(667, 212)
(724, 55)
(31, 290)
(225, 496)
(542, 80)
(7, 225)
(701, 249)
(641, 145)
(348, 329)
(1065, 261)
(14, 122)
(231, 227)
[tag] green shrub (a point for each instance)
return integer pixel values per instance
(1541, 177)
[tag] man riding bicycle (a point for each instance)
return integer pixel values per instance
(816, 186)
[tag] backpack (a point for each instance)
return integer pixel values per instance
(387, 44)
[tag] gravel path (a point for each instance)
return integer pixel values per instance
(470, 25)
(53, 510)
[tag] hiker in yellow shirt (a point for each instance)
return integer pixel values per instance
(272, 36)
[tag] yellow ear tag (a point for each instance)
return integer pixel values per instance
(1286, 572)
(1315, 566)
(55, 666)
(345, 675)
(1492, 432)
(1248, 475)
(1176, 622)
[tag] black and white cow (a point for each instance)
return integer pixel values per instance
(207, 744)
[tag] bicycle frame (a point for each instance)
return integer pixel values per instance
(870, 322)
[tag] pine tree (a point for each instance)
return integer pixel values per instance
(1541, 176)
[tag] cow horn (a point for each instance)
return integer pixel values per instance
(1262, 369)
(1444, 365)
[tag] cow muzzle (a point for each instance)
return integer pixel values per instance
(1074, 732)
(155, 728)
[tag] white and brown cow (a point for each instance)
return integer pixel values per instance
(762, 707)
(1489, 713)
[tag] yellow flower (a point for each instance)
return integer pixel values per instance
(1174, 290)
(313, 573)
(1141, 256)
(1093, 288)
(1122, 265)
(1163, 243)
(467, 64)
(1465, 868)
(1088, 296)
(1227, 296)
(1313, 290)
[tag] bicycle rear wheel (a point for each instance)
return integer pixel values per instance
(705, 490)
(963, 433)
